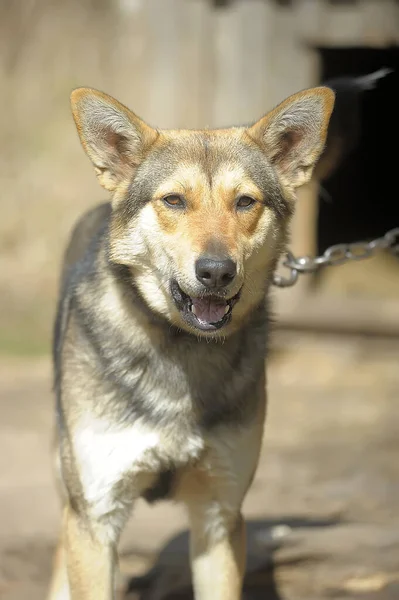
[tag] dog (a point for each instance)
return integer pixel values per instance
(160, 338)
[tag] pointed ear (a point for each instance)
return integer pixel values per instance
(113, 137)
(294, 133)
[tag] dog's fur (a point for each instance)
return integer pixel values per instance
(152, 401)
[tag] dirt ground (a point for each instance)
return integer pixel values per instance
(323, 510)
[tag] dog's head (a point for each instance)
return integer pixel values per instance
(200, 217)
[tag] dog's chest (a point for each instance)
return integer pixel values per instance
(186, 387)
(109, 455)
(159, 411)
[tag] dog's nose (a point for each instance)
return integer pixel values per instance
(215, 272)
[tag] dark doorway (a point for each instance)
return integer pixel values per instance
(361, 199)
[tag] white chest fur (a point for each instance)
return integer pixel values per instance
(106, 455)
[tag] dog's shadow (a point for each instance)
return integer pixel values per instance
(169, 578)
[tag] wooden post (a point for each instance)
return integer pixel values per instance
(243, 62)
(197, 63)
(164, 90)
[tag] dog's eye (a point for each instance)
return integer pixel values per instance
(174, 201)
(245, 202)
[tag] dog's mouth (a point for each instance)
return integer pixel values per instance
(208, 312)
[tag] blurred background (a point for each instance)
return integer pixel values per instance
(332, 436)
(182, 63)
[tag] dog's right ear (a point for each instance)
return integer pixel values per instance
(114, 138)
(293, 134)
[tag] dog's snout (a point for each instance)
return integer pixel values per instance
(215, 272)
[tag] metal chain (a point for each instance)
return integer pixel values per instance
(335, 255)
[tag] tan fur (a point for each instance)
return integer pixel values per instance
(90, 562)
(228, 228)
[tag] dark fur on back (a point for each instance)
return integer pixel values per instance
(77, 258)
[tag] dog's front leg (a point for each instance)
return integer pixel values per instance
(218, 558)
(90, 559)
(213, 492)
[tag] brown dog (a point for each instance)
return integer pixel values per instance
(160, 338)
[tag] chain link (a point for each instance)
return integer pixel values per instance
(335, 255)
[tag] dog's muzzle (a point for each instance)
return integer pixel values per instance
(208, 312)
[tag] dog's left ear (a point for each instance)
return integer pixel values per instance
(115, 139)
(294, 133)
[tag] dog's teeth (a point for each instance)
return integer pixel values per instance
(193, 309)
(226, 310)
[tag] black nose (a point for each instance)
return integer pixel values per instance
(214, 272)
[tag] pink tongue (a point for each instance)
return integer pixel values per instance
(209, 310)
